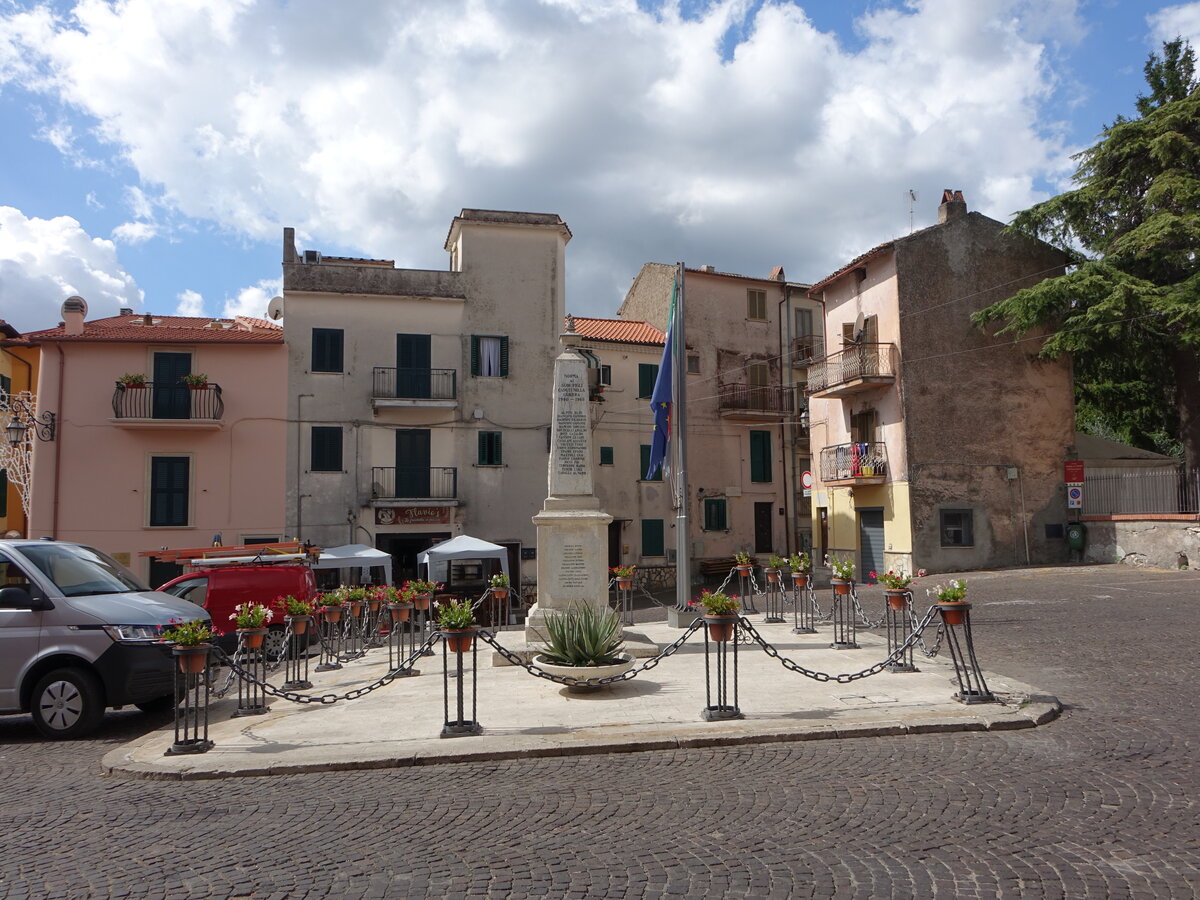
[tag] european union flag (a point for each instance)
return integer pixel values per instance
(660, 397)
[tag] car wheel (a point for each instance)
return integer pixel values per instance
(67, 703)
(274, 642)
(157, 705)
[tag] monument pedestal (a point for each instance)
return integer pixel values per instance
(572, 559)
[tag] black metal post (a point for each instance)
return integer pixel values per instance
(296, 659)
(717, 661)
(251, 700)
(899, 628)
(192, 694)
(331, 640)
(802, 611)
(461, 725)
(971, 686)
(845, 633)
(774, 599)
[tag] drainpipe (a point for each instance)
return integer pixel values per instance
(785, 339)
(58, 439)
(299, 466)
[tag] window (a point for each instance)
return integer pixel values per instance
(756, 304)
(804, 322)
(5, 385)
(693, 363)
(862, 427)
(657, 476)
(489, 356)
(3, 492)
(760, 456)
(327, 349)
(606, 456)
(758, 374)
(606, 375)
(715, 514)
(652, 537)
(169, 480)
(491, 451)
(957, 528)
(647, 375)
(326, 449)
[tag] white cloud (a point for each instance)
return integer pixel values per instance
(370, 131)
(253, 300)
(134, 232)
(1176, 21)
(190, 304)
(44, 261)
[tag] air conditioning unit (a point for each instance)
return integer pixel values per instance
(312, 257)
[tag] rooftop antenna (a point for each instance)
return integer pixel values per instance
(912, 200)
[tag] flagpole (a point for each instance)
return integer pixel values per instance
(683, 556)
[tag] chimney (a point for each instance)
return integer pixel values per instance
(289, 245)
(126, 311)
(953, 206)
(708, 268)
(74, 311)
(147, 319)
(777, 274)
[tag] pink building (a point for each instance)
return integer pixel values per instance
(164, 463)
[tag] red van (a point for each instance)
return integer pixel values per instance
(220, 588)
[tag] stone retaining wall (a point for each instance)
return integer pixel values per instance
(1166, 541)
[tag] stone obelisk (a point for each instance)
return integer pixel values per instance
(572, 530)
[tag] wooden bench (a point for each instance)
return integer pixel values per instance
(720, 565)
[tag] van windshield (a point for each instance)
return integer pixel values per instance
(81, 571)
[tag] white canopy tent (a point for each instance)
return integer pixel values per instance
(351, 556)
(438, 557)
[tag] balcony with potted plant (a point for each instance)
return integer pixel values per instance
(192, 402)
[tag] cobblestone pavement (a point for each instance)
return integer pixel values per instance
(1101, 803)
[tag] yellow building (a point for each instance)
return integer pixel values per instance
(18, 373)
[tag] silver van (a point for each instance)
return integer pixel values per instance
(79, 633)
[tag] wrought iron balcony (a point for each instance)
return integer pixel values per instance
(806, 350)
(857, 463)
(857, 368)
(159, 403)
(413, 387)
(770, 401)
(414, 482)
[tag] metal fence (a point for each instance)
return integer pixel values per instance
(1156, 491)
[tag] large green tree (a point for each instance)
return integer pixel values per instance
(1128, 310)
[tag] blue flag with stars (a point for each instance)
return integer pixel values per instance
(660, 397)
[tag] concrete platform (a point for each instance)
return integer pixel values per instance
(525, 716)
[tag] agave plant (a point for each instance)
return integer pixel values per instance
(583, 636)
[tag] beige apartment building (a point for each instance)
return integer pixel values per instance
(938, 445)
(750, 341)
(420, 400)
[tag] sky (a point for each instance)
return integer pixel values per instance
(152, 152)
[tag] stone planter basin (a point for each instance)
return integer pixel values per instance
(583, 673)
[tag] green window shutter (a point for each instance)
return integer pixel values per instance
(606, 456)
(3, 492)
(715, 514)
(491, 448)
(327, 349)
(760, 456)
(652, 537)
(326, 448)
(169, 477)
(503, 357)
(647, 375)
(657, 476)
(474, 354)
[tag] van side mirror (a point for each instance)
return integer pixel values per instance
(20, 598)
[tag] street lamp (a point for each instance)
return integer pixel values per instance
(43, 425)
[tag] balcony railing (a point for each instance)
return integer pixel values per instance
(858, 462)
(390, 383)
(807, 349)
(772, 400)
(170, 402)
(856, 368)
(414, 482)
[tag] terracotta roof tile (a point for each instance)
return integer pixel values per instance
(169, 330)
(619, 331)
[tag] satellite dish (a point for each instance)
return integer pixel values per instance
(859, 323)
(275, 308)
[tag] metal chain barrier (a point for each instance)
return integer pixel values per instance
(941, 631)
(535, 670)
(326, 699)
(862, 615)
(846, 677)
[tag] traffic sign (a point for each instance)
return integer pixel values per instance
(1073, 471)
(1075, 497)
(806, 480)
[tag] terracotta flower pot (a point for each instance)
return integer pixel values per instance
(421, 601)
(896, 598)
(800, 579)
(459, 640)
(720, 628)
(773, 576)
(624, 584)
(192, 660)
(373, 606)
(251, 638)
(840, 585)
(355, 607)
(499, 592)
(299, 623)
(400, 612)
(333, 614)
(955, 612)
(745, 570)
(197, 387)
